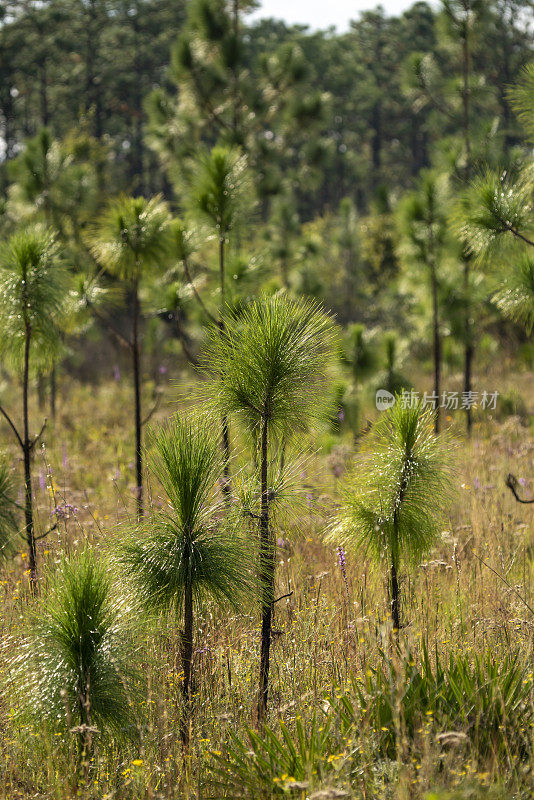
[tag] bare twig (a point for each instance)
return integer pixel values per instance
(511, 482)
(36, 438)
(198, 298)
(509, 585)
(185, 345)
(45, 534)
(283, 597)
(517, 234)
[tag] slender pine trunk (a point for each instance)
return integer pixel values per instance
(394, 597)
(226, 486)
(53, 391)
(468, 368)
(27, 448)
(468, 333)
(137, 392)
(267, 567)
(28, 499)
(393, 576)
(235, 76)
(187, 658)
(85, 739)
(436, 346)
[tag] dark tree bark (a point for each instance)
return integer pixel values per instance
(468, 332)
(27, 446)
(226, 485)
(137, 392)
(187, 659)
(394, 591)
(436, 337)
(267, 567)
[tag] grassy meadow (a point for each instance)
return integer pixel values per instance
(443, 710)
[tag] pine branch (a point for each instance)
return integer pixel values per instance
(123, 341)
(12, 425)
(195, 292)
(36, 438)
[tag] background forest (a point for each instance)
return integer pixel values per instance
(266, 386)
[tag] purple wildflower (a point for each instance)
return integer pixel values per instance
(64, 511)
(162, 369)
(343, 567)
(116, 373)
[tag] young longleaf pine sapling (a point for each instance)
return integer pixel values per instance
(132, 237)
(216, 199)
(74, 671)
(269, 368)
(395, 499)
(186, 552)
(33, 291)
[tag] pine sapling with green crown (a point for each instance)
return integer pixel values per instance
(131, 238)
(33, 294)
(498, 221)
(217, 198)
(188, 551)
(74, 670)
(396, 498)
(269, 371)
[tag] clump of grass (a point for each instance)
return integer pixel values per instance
(483, 704)
(278, 762)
